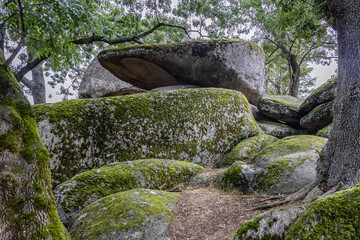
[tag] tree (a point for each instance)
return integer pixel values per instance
(340, 163)
(27, 205)
(283, 26)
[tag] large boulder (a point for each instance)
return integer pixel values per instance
(325, 131)
(334, 217)
(277, 129)
(99, 82)
(269, 225)
(139, 214)
(195, 125)
(283, 167)
(281, 107)
(325, 93)
(233, 64)
(319, 117)
(247, 149)
(78, 192)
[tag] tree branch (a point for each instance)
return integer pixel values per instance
(266, 63)
(134, 37)
(307, 52)
(27, 82)
(23, 35)
(28, 67)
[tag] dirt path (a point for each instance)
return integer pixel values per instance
(208, 213)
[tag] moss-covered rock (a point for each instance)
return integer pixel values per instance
(318, 118)
(325, 131)
(139, 214)
(196, 125)
(269, 225)
(247, 149)
(83, 189)
(281, 107)
(224, 63)
(287, 165)
(335, 217)
(324, 93)
(27, 206)
(276, 129)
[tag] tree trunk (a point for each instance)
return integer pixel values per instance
(295, 76)
(340, 161)
(27, 206)
(2, 38)
(38, 88)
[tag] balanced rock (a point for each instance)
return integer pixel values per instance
(325, 131)
(325, 93)
(277, 129)
(318, 118)
(99, 82)
(281, 107)
(269, 225)
(233, 64)
(83, 189)
(139, 214)
(196, 125)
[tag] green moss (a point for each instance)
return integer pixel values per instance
(335, 217)
(124, 212)
(324, 132)
(89, 186)
(162, 124)
(251, 225)
(291, 102)
(323, 87)
(232, 178)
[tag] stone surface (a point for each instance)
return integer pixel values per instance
(247, 149)
(83, 189)
(196, 125)
(99, 82)
(200, 180)
(139, 214)
(319, 117)
(276, 129)
(233, 64)
(175, 87)
(334, 217)
(269, 225)
(283, 167)
(325, 93)
(325, 131)
(281, 107)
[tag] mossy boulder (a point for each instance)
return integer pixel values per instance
(277, 129)
(281, 107)
(139, 214)
(247, 149)
(83, 189)
(324, 93)
(318, 118)
(269, 225)
(334, 217)
(195, 125)
(325, 131)
(99, 82)
(224, 63)
(283, 167)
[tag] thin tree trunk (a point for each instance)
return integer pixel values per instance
(27, 206)
(340, 161)
(38, 89)
(295, 76)
(2, 38)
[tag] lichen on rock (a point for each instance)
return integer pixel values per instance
(195, 125)
(277, 129)
(319, 117)
(325, 131)
(138, 214)
(83, 189)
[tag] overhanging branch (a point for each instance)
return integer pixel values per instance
(28, 67)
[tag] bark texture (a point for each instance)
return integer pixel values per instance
(340, 162)
(27, 206)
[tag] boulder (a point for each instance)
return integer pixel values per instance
(269, 225)
(247, 149)
(325, 131)
(83, 189)
(175, 87)
(318, 118)
(196, 125)
(99, 82)
(139, 214)
(325, 93)
(283, 167)
(233, 64)
(200, 180)
(334, 217)
(276, 129)
(281, 107)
